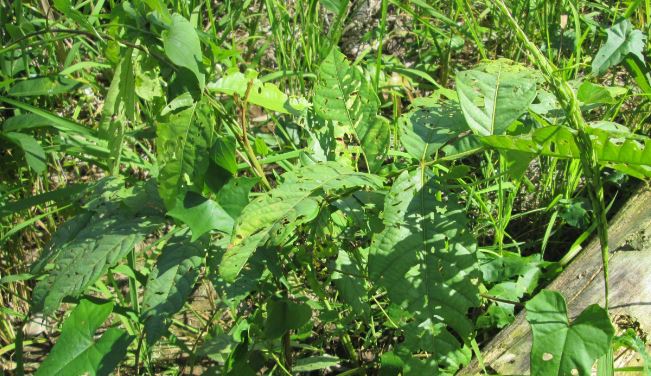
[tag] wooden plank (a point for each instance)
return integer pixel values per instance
(581, 283)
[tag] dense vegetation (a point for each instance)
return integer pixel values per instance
(327, 187)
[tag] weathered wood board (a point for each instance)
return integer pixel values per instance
(581, 283)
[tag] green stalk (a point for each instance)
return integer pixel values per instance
(570, 105)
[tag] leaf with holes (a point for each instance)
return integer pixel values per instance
(293, 202)
(426, 258)
(493, 95)
(561, 348)
(344, 95)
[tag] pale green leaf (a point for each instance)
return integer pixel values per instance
(261, 94)
(561, 348)
(622, 40)
(495, 94)
(78, 352)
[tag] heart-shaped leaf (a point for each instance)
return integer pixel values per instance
(561, 348)
(622, 40)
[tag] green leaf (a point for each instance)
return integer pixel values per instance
(344, 95)
(201, 215)
(170, 283)
(292, 203)
(266, 95)
(234, 195)
(424, 131)
(183, 143)
(223, 154)
(283, 316)
(589, 93)
(24, 121)
(315, 363)
(494, 95)
(183, 48)
(561, 348)
(622, 40)
(52, 85)
(77, 352)
(85, 254)
(350, 283)
(611, 147)
(34, 153)
(426, 258)
(119, 108)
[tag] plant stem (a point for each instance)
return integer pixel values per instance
(570, 105)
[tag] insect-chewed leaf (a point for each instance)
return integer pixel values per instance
(622, 40)
(183, 141)
(344, 95)
(423, 131)
(292, 203)
(426, 258)
(77, 352)
(561, 348)
(495, 94)
(170, 283)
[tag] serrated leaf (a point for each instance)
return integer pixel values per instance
(77, 352)
(170, 283)
(34, 153)
(292, 203)
(52, 85)
(85, 258)
(183, 143)
(344, 95)
(261, 94)
(561, 348)
(284, 315)
(183, 48)
(425, 257)
(424, 131)
(622, 40)
(201, 215)
(494, 95)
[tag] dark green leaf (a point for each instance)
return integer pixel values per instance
(34, 153)
(283, 315)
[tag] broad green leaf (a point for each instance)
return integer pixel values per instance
(426, 258)
(563, 348)
(148, 84)
(78, 352)
(266, 95)
(201, 215)
(493, 95)
(614, 148)
(423, 131)
(348, 278)
(53, 85)
(293, 202)
(284, 315)
(24, 121)
(224, 155)
(622, 40)
(119, 108)
(183, 48)
(589, 93)
(344, 95)
(183, 143)
(234, 195)
(87, 256)
(34, 153)
(170, 283)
